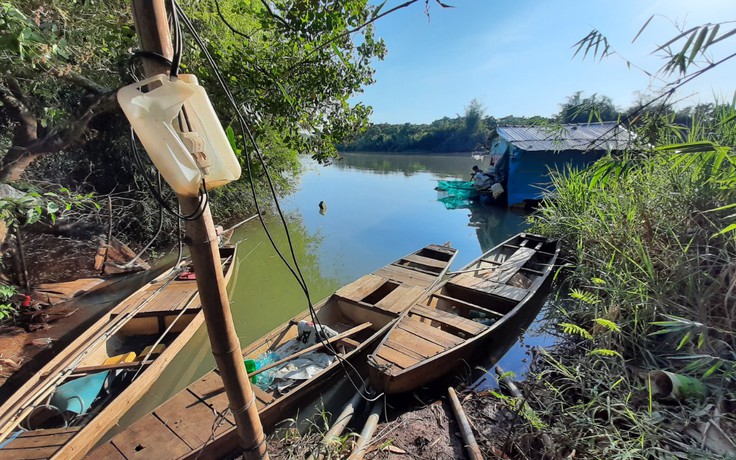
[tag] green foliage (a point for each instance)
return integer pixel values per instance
(460, 134)
(587, 110)
(569, 328)
(35, 206)
(7, 309)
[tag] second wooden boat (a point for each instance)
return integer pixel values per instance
(475, 307)
(73, 403)
(195, 422)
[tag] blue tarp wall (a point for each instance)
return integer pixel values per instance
(528, 172)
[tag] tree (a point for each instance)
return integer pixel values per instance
(292, 65)
(587, 110)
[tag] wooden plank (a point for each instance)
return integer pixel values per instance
(510, 292)
(264, 398)
(406, 275)
(426, 261)
(106, 367)
(54, 437)
(173, 298)
(400, 298)
(433, 334)
(472, 306)
(37, 444)
(349, 342)
(149, 438)
(35, 453)
(361, 288)
(454, 321)
(106, 451)
(421, 345)
(395, 357)
(406, 350)
(191, 419)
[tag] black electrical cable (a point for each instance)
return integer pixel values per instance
(296, 271)
(203, 198)
(177, 39)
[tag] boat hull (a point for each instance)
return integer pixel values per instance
(472, 313)
(484, 346)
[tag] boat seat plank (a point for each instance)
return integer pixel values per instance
(360, 289)
(191, 419)
(399, 346)
(396, 357)
(426, 261)
(400, 298)
(418, 343)
(349, 342)
(467, 304)
(106, 451)
(433, 334)
(482, 278)
(149, 438)
(406, 275)
(449, 319)
(510, 292)
(173, 298)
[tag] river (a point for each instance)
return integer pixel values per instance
(378, 208)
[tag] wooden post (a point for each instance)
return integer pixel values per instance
(152, 27)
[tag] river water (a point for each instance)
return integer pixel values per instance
(379, 207)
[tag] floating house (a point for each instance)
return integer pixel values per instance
(525, 155)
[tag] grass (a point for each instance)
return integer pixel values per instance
(651, 234)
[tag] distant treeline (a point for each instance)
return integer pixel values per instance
(471, 131)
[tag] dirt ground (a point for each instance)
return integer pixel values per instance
(423, 432)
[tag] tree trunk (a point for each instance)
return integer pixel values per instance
(15, 162)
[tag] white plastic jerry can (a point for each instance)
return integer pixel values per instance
(179, 129)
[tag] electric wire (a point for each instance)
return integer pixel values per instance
(296, 271)
(203, 197)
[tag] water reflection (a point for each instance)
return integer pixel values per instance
(448, 165)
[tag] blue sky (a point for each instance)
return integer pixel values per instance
(516, 56)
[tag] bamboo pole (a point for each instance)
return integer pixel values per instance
(340, 423)
(367, 433)
(470, 443)
(152, 27)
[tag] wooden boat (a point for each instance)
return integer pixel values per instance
(74, 401)
(194, 423)
(475, 307)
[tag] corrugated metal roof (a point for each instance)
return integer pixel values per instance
(584, 137)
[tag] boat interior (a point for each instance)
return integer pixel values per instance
(487, 290)
(431, 259)
(104, 372)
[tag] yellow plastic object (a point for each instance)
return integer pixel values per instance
(124, 358)
(179, 129)
(156, 351)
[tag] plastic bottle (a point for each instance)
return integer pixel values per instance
(179, 129)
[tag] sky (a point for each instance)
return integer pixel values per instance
(516, 57)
